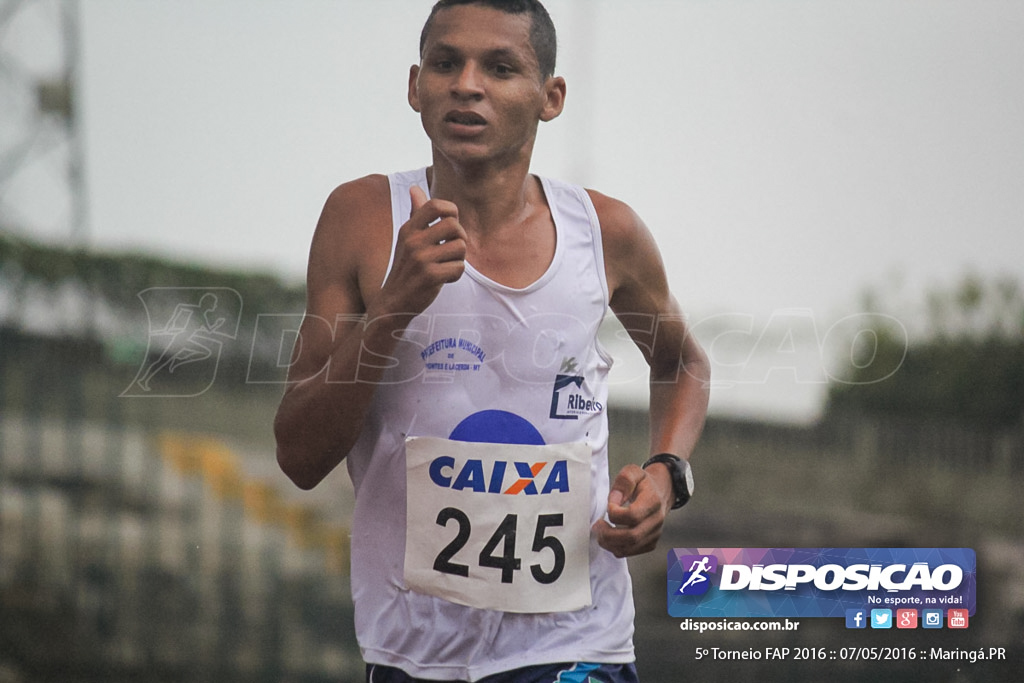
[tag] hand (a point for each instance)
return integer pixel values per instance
(637, 504)
(430, 252)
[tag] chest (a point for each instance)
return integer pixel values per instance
(515, 257)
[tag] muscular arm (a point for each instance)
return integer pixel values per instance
(352, 322)
(679, 378)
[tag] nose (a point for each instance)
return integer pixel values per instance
(468, 82)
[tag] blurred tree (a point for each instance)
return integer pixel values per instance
(44, 277)
(966, 365)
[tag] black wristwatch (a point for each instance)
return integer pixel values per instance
(682, 476)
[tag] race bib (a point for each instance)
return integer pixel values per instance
(499, 526)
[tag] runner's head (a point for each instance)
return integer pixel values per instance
(542, 30)
(479, 87)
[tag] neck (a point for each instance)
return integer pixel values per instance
(487, 195)
(509, 229)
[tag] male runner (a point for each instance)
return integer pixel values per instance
(449, 356)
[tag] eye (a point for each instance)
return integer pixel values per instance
(503, 70)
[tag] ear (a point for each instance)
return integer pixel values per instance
(554, 102)
(414, 98)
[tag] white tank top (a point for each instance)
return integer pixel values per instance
(487, 362)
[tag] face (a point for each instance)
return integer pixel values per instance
(478, 89)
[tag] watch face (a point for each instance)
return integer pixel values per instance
(682, 482)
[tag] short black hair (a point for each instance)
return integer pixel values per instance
(542, 30)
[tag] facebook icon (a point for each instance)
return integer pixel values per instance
(856, 618)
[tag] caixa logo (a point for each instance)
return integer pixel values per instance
(523, 477)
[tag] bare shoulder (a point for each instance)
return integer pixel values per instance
(351, 243)
(352, 207)
(632, 259)
(620, 224)
(364, 193)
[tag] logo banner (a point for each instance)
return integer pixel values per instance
(817, 582)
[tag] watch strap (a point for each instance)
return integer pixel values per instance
(682, 476)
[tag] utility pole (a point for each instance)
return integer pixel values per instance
(42, 174)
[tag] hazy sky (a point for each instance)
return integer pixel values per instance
(786, 154)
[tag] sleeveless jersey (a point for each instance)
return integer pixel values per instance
(489, 363)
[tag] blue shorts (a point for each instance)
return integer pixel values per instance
(542, 673)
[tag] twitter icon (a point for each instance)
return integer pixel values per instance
(881, 618)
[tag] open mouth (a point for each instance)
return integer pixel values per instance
(465, 118)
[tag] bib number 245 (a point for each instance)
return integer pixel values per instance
(499, 552)
(499, 526)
